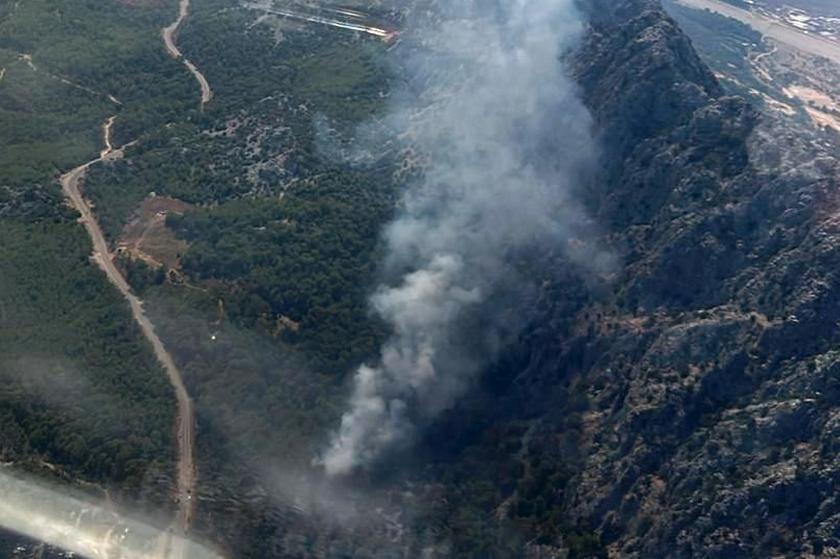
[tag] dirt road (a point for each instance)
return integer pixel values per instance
(168, 34)
(772, 28)
(107, 133)
(70, 185)
(27, 59)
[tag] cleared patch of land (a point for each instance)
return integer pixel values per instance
(823, 119)
(813, 97)
(823, 110)
(147, 237)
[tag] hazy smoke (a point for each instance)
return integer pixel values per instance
(505, 139)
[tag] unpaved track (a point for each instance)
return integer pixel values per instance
(107, 133)
(168, 34)
(70, 183)
(27, 58)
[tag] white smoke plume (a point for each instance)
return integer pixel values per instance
(506, 140)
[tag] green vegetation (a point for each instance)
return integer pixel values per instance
(268, 315)
(299, 288)
(177, 161)
(332, 72)
(256, 395)
(725, 44)
(272, 311)
(493, 512)
(78, 385)
(307, 258)
(81, 388)
(258, 135)
(44, 125)
(286, 238)
(730, 48)
(107, 48)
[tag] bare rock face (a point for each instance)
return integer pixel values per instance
(711, 424)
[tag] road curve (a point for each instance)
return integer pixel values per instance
(168, 34)
(774, 29)
(70, 183)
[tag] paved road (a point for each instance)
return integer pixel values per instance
(774, 29)
(168, 34)
(70, 183)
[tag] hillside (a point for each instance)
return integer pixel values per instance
(659, 379)
(706, 367)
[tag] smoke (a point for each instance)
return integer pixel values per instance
(506, 140)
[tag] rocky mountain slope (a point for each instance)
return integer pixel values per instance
(683, 406)
(706, 370)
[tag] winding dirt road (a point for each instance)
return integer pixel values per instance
(70, 185)
(168, 34)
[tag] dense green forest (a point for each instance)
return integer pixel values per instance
(283, 233)
(306, 258)
(305, 230)
(44, 125)
(103, 49)
(78, 386)
(81, 390)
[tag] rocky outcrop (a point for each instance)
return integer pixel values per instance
(708, 364)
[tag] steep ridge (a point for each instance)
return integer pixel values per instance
(705, 377)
